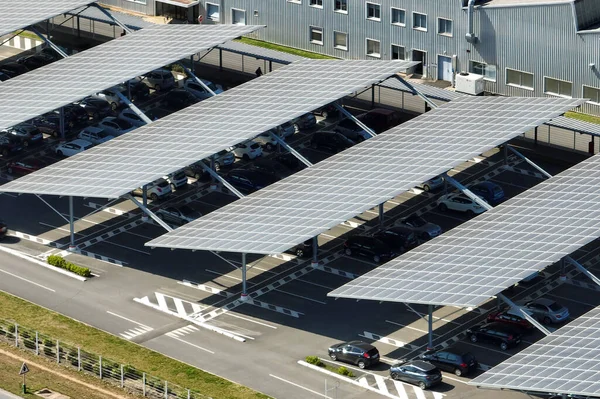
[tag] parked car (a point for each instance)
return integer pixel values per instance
(451, 360)
(418, 372)
(115, 126)
(26, 132)
(369, 247)
(157, 113)
(159, 79)
(94, 135)
(247, 150)
(73, 147)
(134, 90)
(399, 238)
(502, 334)
(196, 170)
(4, 77)
(303, 250)
(546, 310)
(9, 144)
(491, 192)
(248, 180)
(330, 141)
(200, 92)
(327, 111)
(223, 158)
(3, 228)
(273, 167)
(178, 99)
(380, 119)
(286, 130)
(13, 69)
(460, 203)
(33, 61)
(351, 130)
(432, 184)
(110, 96)
(128, 115)
(74, 113)
(95, 107)
(155, 190)
(50, 54)
(359, 353)
(49, 123)
(266, 141)
(178, 215)
(24, 167)
(306, 121)
(177, 180)
(288, 161)
(513, 317)
(422, 228)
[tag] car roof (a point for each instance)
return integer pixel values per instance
(421, 364)
(80, 142)
(517, 312)
(486, 184)
(92, 129)
(543, 301)
(361, 345)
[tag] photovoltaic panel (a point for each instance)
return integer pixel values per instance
(114, 168)
(15, 14)
(480, 258)
(566, 361)
(71, 79)
(318, 198)
(575, 125)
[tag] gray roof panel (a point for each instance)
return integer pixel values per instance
(304, 205)
(131, 21)
(260, 52)
(575, 125)
(429, 91)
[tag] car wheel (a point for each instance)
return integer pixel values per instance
(333, 356)
(458, 372)
(299, 253)
(153, 196)
(55, 134)
(25, 143)
(157, 87)
(504, 346)
(348, 251)
(246, 157)
(426, 187)
(422, 385)
(269, 147)
(394, 376)
(217, 166)
(361, 364)
(59, 153)
(10, 171)
(376, 259)
(473, 338)
(197, 176)
(546, 320)
(470, 213)
(172, 187)
(325, 114)
(443, 207)
(113, 106)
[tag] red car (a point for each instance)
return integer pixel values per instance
(24, 167)
(511, 316)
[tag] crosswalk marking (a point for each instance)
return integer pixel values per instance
(135, 332)
(183, 331)
(381, 383)
(400, 388)
(363, 381)
(419, 392)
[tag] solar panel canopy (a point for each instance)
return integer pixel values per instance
(480, 258)
(114, 168)
(566, 361)
(318, 198)
(16, 15)
(71, 79)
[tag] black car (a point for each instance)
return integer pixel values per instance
(178, 215)
(3, 77)
(289, 161)
(50, 123)
(3, 229)
(327, 111)
(196, 171)
(330, 141)
(33, 61)
(9, 144)
(303, 250)
(368, 246)
(95, 107)
(248, 180)
(13, 69)
(50, 54)
(399, 238)
(28, 134)
(418, 372)
(138, 90)
(504, 335)
(272, 167)
(457, 362)
(489, 191)
(178, 99)
(74, 113)
(359, 353)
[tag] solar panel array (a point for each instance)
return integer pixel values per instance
(431, 92)
(480, 258)
(566, 361)
(141, 156)
(67, 80)
(131, 21)
(575, 125)
(16, 15)
(304, 205)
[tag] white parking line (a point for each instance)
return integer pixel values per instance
(300, 296)
(488, 348)
(419, 393)
(400, 388)
(410, 327)
(189, 343)
(126, 247)
(447, 215)
(125, 318)
(29, 281)
(300, 386)
(572, 300)
(250, 320)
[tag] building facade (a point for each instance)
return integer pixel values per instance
(521, 47)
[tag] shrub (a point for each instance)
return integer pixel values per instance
(344, 371)
(59, 261)
(314, 360)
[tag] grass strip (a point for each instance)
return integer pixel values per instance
(119, 350)
(583, 117)
(285, 49)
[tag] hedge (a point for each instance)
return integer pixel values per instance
(59, 261)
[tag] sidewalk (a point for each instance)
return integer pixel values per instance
(8, 395)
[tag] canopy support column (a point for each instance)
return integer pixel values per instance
(72, 246)
(354, 119)
(48, 42)
(145, 201)
(198, 80)
(416, 92)
(285, 145)
(315, 252)
(133, 107)
(529, 318)
(467, 192)
(213, 185)
(381, 215)
(430, 327)
(221, 180)
(530, 162)
(61, 124)
(149, 213)
(582, 269)
(112, 18)
(244, 296)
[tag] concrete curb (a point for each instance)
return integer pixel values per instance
(40, 263)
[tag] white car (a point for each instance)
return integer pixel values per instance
(197, 90)
(460, 203)
(266, 141)
(155, 190)
(94, 135)
(115, 126)
(73, 147)
(109, 96)
(129, 116)
(159, 79)
(247, 150)
(177, 180)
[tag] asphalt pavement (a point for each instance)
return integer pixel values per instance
(7, 395)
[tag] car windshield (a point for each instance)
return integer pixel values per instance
(416, 221)
(210, 85)
(187, 210)
(123, 124)
(255, 146)
(286, 125)
(222, 152)
(179, 175)
(497, 190)
(555, 307)
(162, 184)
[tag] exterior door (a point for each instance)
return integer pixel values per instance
(421, 56)
(444, 68)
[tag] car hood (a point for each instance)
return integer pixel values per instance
(430, 227)
(335, 346)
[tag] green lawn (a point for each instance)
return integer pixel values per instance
(119, 350)
(583, 117)
(285, 49)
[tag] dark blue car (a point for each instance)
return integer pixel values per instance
(491, 192)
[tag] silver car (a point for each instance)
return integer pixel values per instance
(432, 184)
(423, 229)
(546, 310)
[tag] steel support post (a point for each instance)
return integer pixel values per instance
(535, 136)
(61, 124)
(198, 80)
(48, 42)
(244, 296)
(78, 27)
(353, 118)
(505, 151)
(467, 192)
(220, 59)
(315, 252)
(145, 201)
(416, 92)
(213, 185)
(563, 270)
(71, 226)
(430, 327)
(531, 319)
(372, 95)
(270, 66)
(111, 17)
(133, 107)
(221, 180)
(281, 142)
(381, 215)
(149, 213)
(530, 162)
(583, 269)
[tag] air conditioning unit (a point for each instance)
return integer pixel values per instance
(470, 83)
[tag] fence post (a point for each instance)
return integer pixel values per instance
(166, 390)
(37, 344)
(143, 384)
(57, 352)
(100, 366)
(189, 397)
(16, 335)
(122, 376)
(78, 359)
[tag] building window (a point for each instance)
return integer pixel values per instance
(444, 27)
(374, 12)
(316, 3)
(238, 17)
(419, 21)
(593, 93)
(316, 35)
(212, 12)
(558, 87)
(340, 40)
(524, 80)
(398, 52)
(480, 68)
(373, 48)
(398, 17)
(341, 6)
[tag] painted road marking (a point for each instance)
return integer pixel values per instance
(386, 340)
(409, 327)
(380, 383)
(129, 320)
(401, 390)
(114, 211)
(206, 288)
(274, 308)
(300, 296)
(337, 272)
(183, 331)
(33, 238)
(29, 281)
(300, 386)
(190, 344)
(253, 321)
